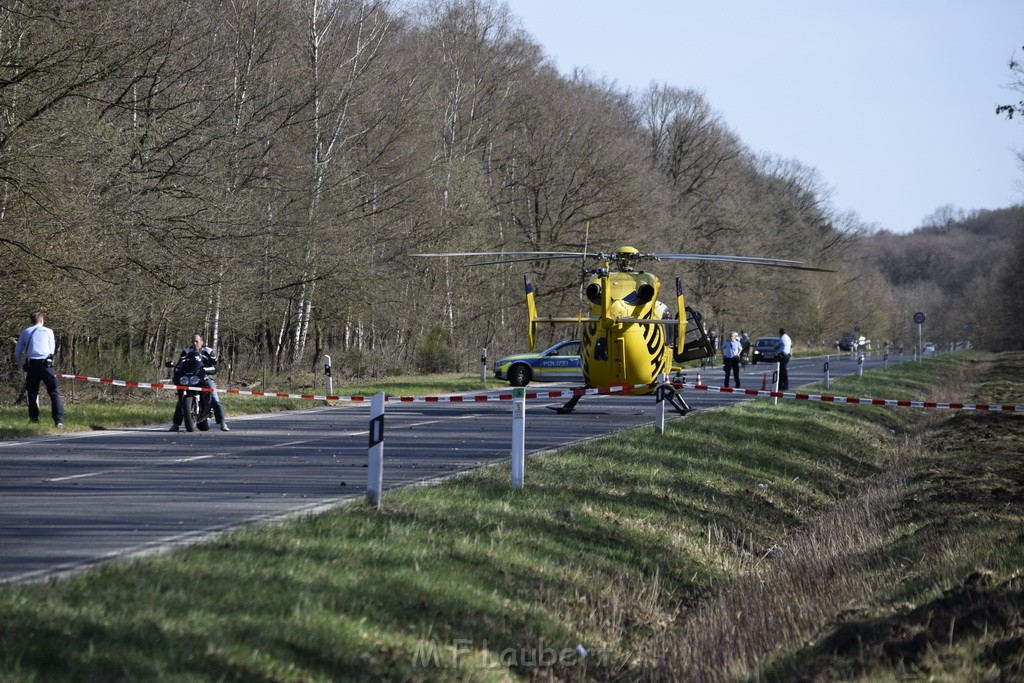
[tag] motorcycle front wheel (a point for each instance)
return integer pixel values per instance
(189, 410)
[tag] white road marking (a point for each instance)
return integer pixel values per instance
(198, 457)
(76, 476)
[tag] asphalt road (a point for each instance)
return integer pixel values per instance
(75, 500)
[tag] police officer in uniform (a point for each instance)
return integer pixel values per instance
(34, 350)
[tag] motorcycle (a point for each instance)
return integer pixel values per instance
(195, 406)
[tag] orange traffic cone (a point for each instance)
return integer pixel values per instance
(764, 382)
(698, 378)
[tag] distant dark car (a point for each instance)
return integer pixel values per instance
(849, 342)
(853, 342)
(764, 350)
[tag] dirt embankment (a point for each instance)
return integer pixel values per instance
(965, 506)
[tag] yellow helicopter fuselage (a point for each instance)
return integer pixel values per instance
(617, 347)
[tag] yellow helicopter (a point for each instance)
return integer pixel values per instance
(629, 337)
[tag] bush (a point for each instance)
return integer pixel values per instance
(435, 354)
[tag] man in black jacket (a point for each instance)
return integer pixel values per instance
(210, 366)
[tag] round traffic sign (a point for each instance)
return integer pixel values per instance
(919, 317)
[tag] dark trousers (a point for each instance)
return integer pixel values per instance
(783, 372)
(39, 371)
(731, 365)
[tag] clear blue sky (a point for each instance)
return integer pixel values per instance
(893, 101)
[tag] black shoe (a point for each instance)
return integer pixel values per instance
(174, 428)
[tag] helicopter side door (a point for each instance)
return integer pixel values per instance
(695, 342)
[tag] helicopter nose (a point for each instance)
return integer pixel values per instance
(618, 309)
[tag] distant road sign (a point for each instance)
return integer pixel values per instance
(919, 317)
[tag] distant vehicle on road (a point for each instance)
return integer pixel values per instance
(929, 347)
(764, 350)
(559, 363)
(854, 342)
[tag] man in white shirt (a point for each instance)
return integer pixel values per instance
(34, 352)
(785, 350)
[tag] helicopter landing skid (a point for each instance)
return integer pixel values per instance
(675, 399)
(569, 405)
(667, 392)
(670, 394)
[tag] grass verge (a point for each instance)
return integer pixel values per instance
(798, 541)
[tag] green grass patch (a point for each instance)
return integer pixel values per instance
(742, 543)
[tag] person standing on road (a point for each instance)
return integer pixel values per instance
(34, 351)
(210, 366)
(731, 350)
(785, 350)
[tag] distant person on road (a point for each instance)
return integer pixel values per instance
(34, 351)
(744, 346)
(210, 366)
(731, 350)
(713, 340)
(784, 347)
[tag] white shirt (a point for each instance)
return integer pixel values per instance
(37, 342)
(785, 344)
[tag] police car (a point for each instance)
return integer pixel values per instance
(560, 363)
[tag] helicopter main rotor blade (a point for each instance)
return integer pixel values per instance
(553, 257)
(565, 254)
(747, 260)
(530, 256)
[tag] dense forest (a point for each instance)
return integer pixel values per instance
(262, 172)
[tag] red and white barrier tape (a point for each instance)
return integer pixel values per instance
(458, 398)
(856, 400)
(533, 395)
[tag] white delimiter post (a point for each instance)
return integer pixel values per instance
(827, 378)
(518, 436)
(775, 383)
(375, 471)
(328, 383)
(659, 419)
